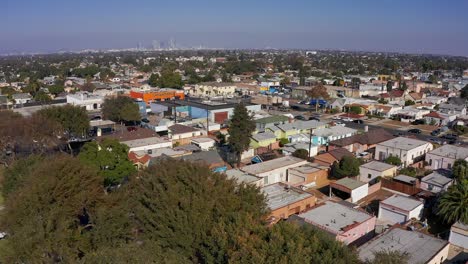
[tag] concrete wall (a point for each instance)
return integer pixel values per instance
(459, 239)
(417, 212)
(406, 157)
(359, 193)
(364, 173)
(438, 162)
(441, 256)
(153, 146)
(294, 208)
(358, 231)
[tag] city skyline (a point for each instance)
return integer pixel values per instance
(428, 27)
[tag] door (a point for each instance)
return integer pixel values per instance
(220, 117)
(393, 216)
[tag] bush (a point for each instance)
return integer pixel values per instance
(301, 153)
(394, 160)
(283, 141)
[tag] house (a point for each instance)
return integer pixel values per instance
(149, 143)
(368, 172)
(398, 209)
(395, 97)
(438, 118)
(420, 247)
(275, 170)
(349, 189)
(270, 121)
(386, 110)
(449, 108)
(444, 157)
(144, 158)
(332, 156)
(409, 150)
(297, 127)
(265, 139)
(244, 177)
(204, 143)
(284, 201)
(411, 113)
(183, 134)
(209, 158)
(362, 142)
(213, 89)
(438, 181)
(344, 223)
(309, 175)
(87, 100)
(290, 148)
(322, 136)
(21, 98)
(459, 235)
(415, 97)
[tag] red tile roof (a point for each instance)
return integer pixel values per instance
(434, 115)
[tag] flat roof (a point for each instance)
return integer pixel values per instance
(263, 136)
(420, 247)
(301, 125)
(97, 123)
(272, 119)
(403, 143)
(272, 165)
(405, 178)
(279, 195)
(350, 183)
(335, 217)
(241, 177)
(402, 202)
(451, 151)
(438, 178)
(203, 140)
(145, 142)
(310, 168)
(378, 166)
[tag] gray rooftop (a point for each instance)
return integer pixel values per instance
(334, 131)
(402, 202)
(334, 217)
(403, 143)
(301, 125)
(451, 151)
(310, 168)
(377, 166)
(405, 178)
(273, 165)
(421, 247)
(263, 136)
(279, 195)
(461, 226)
(350, 183)
(438, 178)
(145, 142)
(241, 177)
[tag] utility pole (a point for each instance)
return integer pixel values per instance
(310, 142)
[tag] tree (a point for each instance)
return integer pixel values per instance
(15, 175)
(433, 79)
(318, 91)
(394, 160)
(453, 205)
(301, 153)
(404, 86)
(241, 128)
(88, 87)
(73, 119)
(460, 170)
(389, 257)
(170, 79)
(389, 86)
(409, 102)
(120, 109)
(348, 166)
(153, 79)
(409, 171)
(42, 97)
(464, 92)
(109, 158)
(56, 89)
(382, 101)
(50, 218)
(355, 110)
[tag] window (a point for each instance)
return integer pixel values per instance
(430, 162)
(449, 166)
(265, 180)
(369, 176)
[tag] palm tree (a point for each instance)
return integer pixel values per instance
(453, 205)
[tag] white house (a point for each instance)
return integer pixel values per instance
(212, 89)
(86, 100)
(204, 143)
(408, 150)
(275, 170)
(146, 144)
(399, 209)
(179, 131)
(324, 135)
(445, 156)
(438, 181)
(371, 170)
(21, 98)
(356, 189)
(459, 235)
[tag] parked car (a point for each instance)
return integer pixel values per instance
(418, 122)
(314, 118)
(358, 121)
(414, 131)
(399, 134)
(299, 117)
(438, 141)
(450, 136)
(336, 118)
(347, 119)
(339, 123)
(435, 132)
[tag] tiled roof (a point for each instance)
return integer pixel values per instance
(370, 138)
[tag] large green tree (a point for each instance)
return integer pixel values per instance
(389, 257)
(241, 128)
(318, 91)
(348, 166)
(464, 92)
(121, 109)
(460, 170)
(453, 204)
(109, 158)
(394, 160)
(73, 119)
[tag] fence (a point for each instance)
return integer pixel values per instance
(400, 187)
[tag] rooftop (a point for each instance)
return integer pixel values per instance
(451, 151)
(378, 166)
(209, 157)
(438, 178)
(405, 178)
(280, 195)
(263, 136)
(273, 165)
(301, 125)
(334, 217)
(310, 168)
(403, 143)
(334, 131)
(145, 142)
(402, 202)
(372, 137)
(241, 177)
(181, 129)
(272, 119)
(421, 247)
(350, 183)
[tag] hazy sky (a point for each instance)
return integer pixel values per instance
(416, 26)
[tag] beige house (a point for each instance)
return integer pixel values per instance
(371, 170)
(213, 89)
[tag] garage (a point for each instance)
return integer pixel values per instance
(393, 216)
(220, 117)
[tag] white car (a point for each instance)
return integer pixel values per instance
(339, 123)
(337, 118)
(347, 119)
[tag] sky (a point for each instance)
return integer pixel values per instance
(409, 26)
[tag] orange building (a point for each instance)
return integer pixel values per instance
(160, 95)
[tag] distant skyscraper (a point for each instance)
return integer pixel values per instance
(156, 45)
(139, 46)
(172, 44)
